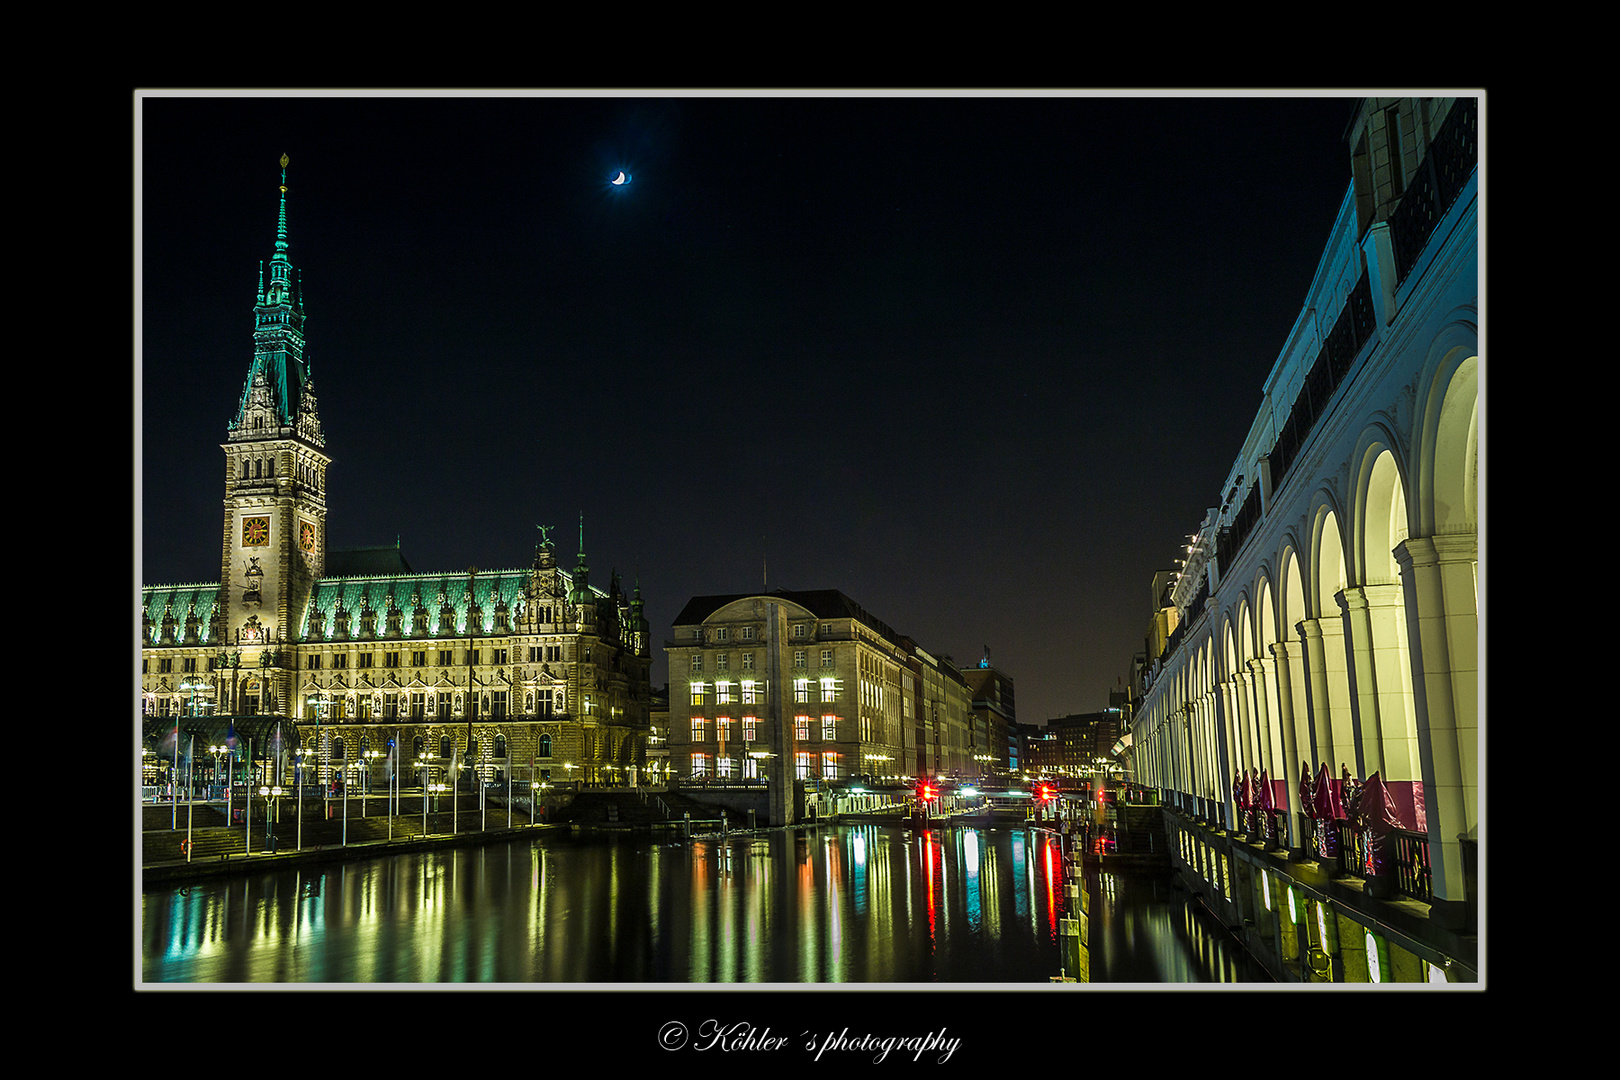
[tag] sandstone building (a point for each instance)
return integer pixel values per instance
(330, 658)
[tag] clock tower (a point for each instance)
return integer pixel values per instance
(274, 545)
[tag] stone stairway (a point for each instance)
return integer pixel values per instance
(1139, 830)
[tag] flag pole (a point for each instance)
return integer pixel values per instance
(174, 779)
(191, 802)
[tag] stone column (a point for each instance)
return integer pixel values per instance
(1327, 690)
(1270, 718)
(1438, 578)
(1209, 741)
(1359, 671)
(1263, 679)
(1286, 661)
(1221, 753)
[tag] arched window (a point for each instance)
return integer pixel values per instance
(337, 749)
(365, 745)
(416, 747)
(545, 745)
(500, 746)
(444, 746)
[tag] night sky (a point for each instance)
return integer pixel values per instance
(978, 362)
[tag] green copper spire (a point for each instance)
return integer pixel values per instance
(277, 388)
(582, 573)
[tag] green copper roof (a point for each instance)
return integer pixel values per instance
(385, 592)
(179, 602)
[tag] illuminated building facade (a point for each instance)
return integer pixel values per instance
(995, 710)
(1073, 745)
(808, 686)
(1325, 621)
(339, 654)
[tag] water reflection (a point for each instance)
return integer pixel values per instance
(1143, 930)
(850, 904)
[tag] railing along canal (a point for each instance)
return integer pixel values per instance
(1410, 859)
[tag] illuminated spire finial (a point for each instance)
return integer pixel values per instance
(281, 224)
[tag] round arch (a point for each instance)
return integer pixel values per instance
(1445, 475)
(1380, 519)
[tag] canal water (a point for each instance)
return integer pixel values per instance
(846, 904)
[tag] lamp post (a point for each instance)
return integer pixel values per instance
(370, 756)
(422, 763)
(272, 796)
(218, 752)
(438, 790)
(298, 773)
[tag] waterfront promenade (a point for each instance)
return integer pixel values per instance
(217, 846)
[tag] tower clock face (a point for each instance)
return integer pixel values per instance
(255, 531)
(306, 536)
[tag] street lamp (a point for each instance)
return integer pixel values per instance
(272, 814)
(437, 790)
(422, 762)
(218, 752)
(370, 756)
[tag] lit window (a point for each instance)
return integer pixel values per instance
(829, 766)
(801, 727)
(801, 766)
(722, 692)
(801, 690)
(829, 727)
(750, 692)
(700, 764)
(698, 726)
(698, 689)
(750, 728)
(722, 728)
(829, 689)
(725, 764)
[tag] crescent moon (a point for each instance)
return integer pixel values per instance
(620, 179)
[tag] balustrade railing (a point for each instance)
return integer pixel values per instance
(1409, 858)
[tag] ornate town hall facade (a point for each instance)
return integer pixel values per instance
(325, 656)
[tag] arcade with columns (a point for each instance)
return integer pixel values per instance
(1311, 698)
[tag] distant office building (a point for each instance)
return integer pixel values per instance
(808, 686)
(994, 711)
(1078, 745)
(330, 658)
